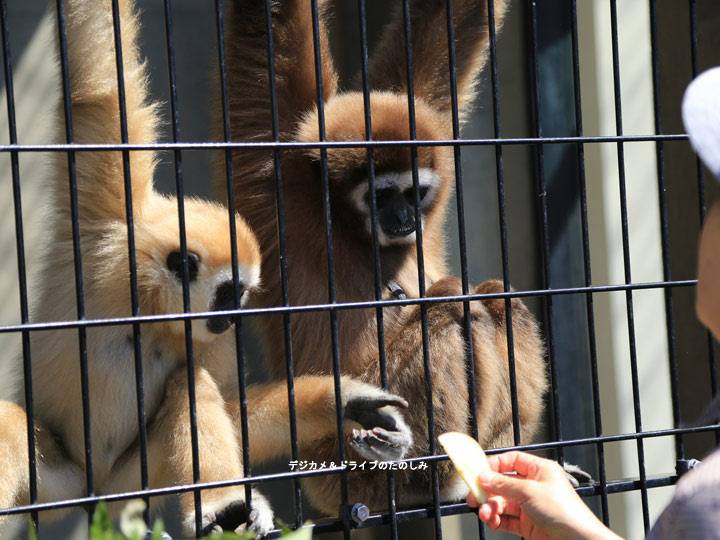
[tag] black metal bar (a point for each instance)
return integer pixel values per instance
(421, 267)
(586, 263)
(55, 325)
(134, 300)
(333, 470)
(292, 145)
(382, 360)
(77, 255)
(626, 262)
(327, 212)
(237, 293)
(180, 192)
(22, 271)
(280, 219)
(714, 388)
(545, 238)
(664, 234)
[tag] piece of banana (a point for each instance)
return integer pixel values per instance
(468, 458)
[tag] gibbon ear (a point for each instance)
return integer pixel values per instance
(429, 38)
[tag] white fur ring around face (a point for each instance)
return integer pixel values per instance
(701, 116)
(468, 458)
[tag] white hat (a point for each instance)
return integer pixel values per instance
(701, 116)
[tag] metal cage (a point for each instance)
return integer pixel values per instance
(563, 292)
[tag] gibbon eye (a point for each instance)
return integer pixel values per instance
(410, 194)
(382, 196)
(174, 264)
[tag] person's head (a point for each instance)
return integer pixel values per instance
(701, 115)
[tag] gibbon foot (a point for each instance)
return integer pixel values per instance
(576, 475)
(235, 517)
(379, 444)
(396, 290)
(385, 436)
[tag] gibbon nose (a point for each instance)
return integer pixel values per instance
(175, 265)
(224, 300)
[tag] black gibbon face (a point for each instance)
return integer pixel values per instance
(395, 198)
(218, 287)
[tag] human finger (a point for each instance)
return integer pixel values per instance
(508, 486)
(522, 463)
(471, 500)
(510, 524)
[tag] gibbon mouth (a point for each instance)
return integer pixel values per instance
(224, 300)
(400, 232)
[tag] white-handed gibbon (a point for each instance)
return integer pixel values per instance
(56, 377)
(354, 271)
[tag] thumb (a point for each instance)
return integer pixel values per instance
(509, 486)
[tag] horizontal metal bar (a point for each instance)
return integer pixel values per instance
(336, 144)
(331, 470)
(60, 325)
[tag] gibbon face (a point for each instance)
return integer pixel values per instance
(159, 262)
(394, 187)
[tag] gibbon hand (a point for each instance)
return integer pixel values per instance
(537, 503)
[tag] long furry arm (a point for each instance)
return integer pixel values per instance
(248, 76)
(96, 111)
(429, 38)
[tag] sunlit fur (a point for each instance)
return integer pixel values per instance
(58, 405)
(354, 267)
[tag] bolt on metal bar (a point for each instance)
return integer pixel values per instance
(132, 262)
(626, 262)
(595, 380)
(180, 193)
(22, 270)
(77, 256)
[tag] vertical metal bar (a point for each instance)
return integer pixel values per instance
(542, 198)
(186, 273)
(330, 257)
(233, 250)
(22, 273)
(626, 263)
(467, 321)
(280, 220)
(77, 255)
(586, 262)
(503, 221)
(134, 301)
(662, 195)
(375, 242)
(421, 269)
(701, 199)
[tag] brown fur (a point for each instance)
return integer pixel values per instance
(112, 390)
(251, 120)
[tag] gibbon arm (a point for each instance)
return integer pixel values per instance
(429, 38)
(96, 110)
(248, 80)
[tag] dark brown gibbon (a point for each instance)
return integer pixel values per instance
(251, 120)
(58, 406)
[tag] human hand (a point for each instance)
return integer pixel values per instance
(537, 503)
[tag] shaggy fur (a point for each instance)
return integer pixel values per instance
(110, 352)
(251, 120)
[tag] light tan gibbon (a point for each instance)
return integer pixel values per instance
(251, 120)
(110, 351)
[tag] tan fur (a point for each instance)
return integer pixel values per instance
(251, 120)
(110, 353)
